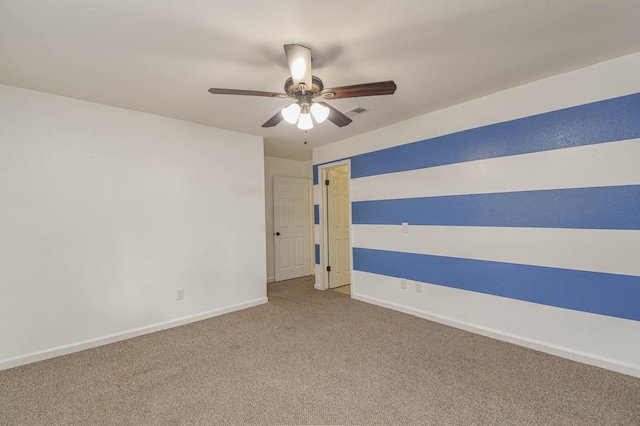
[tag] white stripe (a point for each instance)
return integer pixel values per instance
(317, 232)
(317, 194)
(597, 250)
(608, 164)
(593, 339)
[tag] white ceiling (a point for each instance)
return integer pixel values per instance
(161, 56)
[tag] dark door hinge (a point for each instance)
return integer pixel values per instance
(328, 268)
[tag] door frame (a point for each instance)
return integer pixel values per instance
(324, 225)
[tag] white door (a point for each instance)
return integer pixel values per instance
(338, 226)
(291, 227)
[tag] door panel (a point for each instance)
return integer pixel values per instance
(285, 253)
(300, 244)
(292, 227)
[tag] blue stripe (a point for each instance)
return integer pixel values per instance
(605, 121)
(316, 214)
(317, 254)
(598, 293)
(315, 175)
(613, 207)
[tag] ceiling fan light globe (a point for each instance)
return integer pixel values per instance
(291, 113)
(320, 112)
(305, 122)
(298, 69)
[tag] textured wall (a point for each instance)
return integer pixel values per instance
(522, 212)
(105, 212)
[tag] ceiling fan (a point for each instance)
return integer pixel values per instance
(306, 88)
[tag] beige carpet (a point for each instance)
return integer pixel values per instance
(311, 357)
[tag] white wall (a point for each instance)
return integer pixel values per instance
(105, 212)
(284, 168)
(605, 340)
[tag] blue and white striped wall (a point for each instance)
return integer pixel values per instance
(523, 210)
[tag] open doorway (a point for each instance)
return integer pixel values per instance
(336, 227)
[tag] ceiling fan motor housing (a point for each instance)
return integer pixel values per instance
(295, 92)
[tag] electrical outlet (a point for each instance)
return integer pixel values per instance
(180, 294)
(403, 284)
(418, 287)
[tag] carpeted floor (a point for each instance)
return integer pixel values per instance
(310, 357)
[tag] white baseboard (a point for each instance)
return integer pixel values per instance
(112, 338)
(271, 280)
(582, 357)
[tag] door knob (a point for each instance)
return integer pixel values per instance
(277, 233)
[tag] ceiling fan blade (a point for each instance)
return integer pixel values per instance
(357, 90)
(336, 117)
(217, 91)
(299, 59)
(274, 120)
